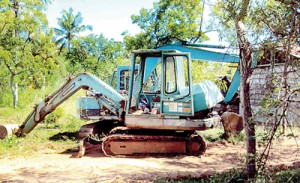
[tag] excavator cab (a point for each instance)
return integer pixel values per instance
(120, 78)
(163, 86)
(175, 100)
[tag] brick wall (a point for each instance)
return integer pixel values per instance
(263, 83)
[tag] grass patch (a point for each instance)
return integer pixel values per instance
(231, 176)
(288, 176)
(40, 140)
(212, 135)
(217, 135)
(261, 132)
(55, 134)
(236, 176)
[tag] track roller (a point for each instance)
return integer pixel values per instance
(195, 145)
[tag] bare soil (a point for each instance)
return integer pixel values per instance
(95, 167)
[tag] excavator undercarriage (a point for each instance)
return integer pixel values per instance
(135, 145)
(120, 140)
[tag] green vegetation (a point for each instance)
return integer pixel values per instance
(262, 132)
(212, 135)
(40, 141)
(236, 175)
(69, 26)
(56, 134)
(167, 22)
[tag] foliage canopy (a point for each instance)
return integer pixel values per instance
(167, 22)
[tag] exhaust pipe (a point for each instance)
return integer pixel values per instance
(8, 130)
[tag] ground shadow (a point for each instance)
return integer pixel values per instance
(63, 136)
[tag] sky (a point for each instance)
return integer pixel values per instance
(110, 17)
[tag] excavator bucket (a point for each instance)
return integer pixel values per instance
(8, 130)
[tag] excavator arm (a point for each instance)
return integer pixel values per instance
(104, 93)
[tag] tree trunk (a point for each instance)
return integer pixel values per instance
(245, 69)
(14, 90)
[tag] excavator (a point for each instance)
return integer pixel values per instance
(159, 113)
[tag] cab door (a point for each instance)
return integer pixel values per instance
(176, 89)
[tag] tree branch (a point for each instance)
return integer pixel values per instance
(5, 23)
(9, 68)
(243, 11)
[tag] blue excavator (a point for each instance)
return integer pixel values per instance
(156, 108)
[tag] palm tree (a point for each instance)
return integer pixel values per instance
(70, 26)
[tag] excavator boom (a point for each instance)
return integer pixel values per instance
(104, 93)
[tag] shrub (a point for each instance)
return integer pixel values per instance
(53, 117)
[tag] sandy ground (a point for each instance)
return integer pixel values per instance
(95, 167)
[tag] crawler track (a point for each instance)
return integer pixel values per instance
(143, 145)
